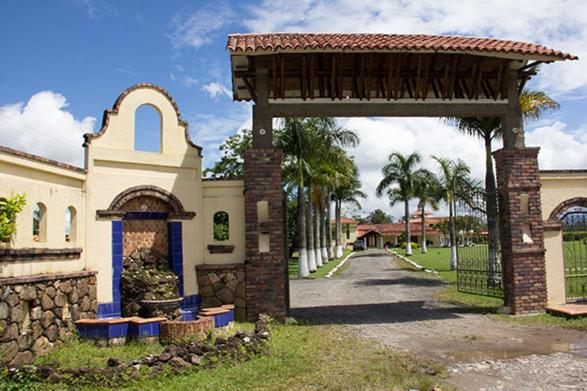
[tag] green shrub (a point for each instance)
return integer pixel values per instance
(9, 208)
(414, 245)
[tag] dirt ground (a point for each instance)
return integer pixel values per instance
(379, 300)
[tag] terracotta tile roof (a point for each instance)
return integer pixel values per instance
(276, 42)
(41, 159)
(345, 220)
(391, 229)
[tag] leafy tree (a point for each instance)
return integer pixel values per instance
(231, 161)
(378, 216)
(399, 179)
(221, 227)
(9, 208)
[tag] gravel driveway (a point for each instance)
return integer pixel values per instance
(378, 299)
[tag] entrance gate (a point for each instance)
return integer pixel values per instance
(479, 269)
(575, 253)
(384, 75)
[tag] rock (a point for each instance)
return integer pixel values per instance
(8, 351)
(210, 302)
(22, 358)
(59, 299)
(217, 286)
(206, 291)
(51, 333)
(83, 289)
(203, 281)
(10, 333)
(65, 287)
(12, 299)
(18, 288)
(46, 302)
(228, 277)
(36, 313)
(113, 362)
(75, 313)
(164, 357)
(225, 296)
(4, 310)
(16, 314)
(64, 335)
(213, 277)
(51, 291)
(179, 362)
(36, 329)
(86, 304)
(29, 293)
(73, 297)
(47, 319)
(41, 346)
(240, 276)
(289, 320)
(93, 292)
(24, 341)
(232, 285)
(195, 359)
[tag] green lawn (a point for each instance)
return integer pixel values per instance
(321, 272)
(303, 357)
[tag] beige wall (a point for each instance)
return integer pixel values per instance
(225, 196)
(112, 167)
(57, 188)
(557, 187)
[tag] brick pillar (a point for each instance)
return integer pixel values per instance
(521, 229)
(264, 262)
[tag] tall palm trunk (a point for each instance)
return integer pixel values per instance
(423, 222)
(329, 227)
(408, 233)
(323, 230)
(310, 232)
(303, 269)
(337, 207)
(317, 251)
(492, 214)
(452, 235)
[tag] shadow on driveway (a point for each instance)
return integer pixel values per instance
(411, 281)
(396, 312)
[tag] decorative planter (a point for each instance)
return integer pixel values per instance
(161, 306)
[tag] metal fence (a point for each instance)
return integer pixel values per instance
(479, 266)
(575, 253)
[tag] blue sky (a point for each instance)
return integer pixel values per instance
(65, 61)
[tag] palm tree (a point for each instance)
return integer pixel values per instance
(452, 173)
(533, 105)
(296, 142)
(428, 192)
(400, 170)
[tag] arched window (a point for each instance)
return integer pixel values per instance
(148, 129)
(40, 222)
(221, 227)
(70, 224)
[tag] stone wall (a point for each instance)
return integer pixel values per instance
(223, 284)
(38, 312)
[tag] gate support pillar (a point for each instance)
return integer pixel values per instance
(521, 229)
(265, 267)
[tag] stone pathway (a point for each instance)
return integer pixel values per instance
(378, 299)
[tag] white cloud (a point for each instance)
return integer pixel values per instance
(554, 23)
(198, 28)
(215, 89)
(381, 136)
(209, 130)
(44, 127)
